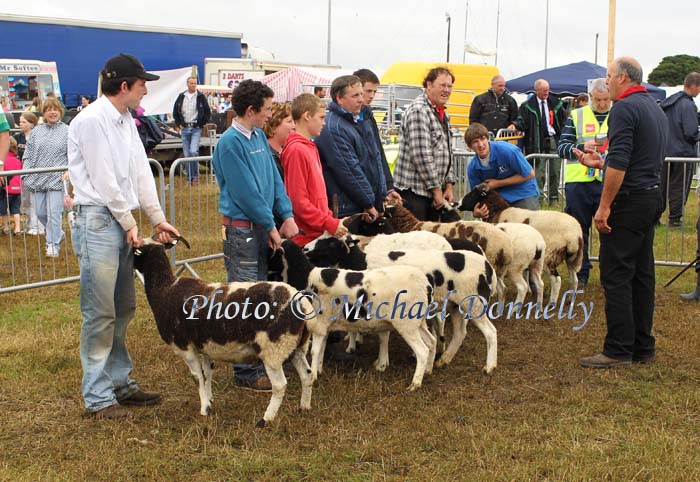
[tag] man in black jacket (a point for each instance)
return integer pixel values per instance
(370, 85)
(542, 118)
(191, 112)
(683, 134)
(629, 205)
(495, 109)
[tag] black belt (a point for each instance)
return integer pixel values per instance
(639, 191)
(190, 124)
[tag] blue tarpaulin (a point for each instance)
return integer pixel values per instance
(569, 79)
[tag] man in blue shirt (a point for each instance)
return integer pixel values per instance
(503, 167)
(251, 195)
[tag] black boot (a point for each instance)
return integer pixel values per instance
(694, 295)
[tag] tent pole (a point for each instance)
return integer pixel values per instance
(611, 31)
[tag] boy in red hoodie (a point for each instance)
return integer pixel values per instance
(303, 175)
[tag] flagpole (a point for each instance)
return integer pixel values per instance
(611, 31)
(466, 18)
(498, 20)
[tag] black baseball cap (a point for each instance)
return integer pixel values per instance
(125, 65)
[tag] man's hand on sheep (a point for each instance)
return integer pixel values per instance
(394, 198)
(481, 210)
(288, 230)
(166, 233)
(132, 237)
(448, 195)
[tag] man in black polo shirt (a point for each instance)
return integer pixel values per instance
(629, 204)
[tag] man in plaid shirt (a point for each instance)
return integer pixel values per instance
(423, 174)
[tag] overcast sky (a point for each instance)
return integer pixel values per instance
(377, 33)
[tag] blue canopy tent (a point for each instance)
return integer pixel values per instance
(569, 79)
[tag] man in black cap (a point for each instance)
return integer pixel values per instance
(111, 177)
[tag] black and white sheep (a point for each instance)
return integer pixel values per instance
(561, 232)
(383, 243)
(208, 321)
(496, 244)
(381, 287)
(456, 275)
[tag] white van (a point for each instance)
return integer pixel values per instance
(23, 80)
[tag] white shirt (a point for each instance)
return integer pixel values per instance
(189, 107)
(550, 129)
(108, 165)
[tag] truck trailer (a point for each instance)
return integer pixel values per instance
(80, 48)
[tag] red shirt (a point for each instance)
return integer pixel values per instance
(303, 178)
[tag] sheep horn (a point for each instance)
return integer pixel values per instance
(184, 241)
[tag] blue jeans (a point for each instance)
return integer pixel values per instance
(49, 211)
(245, 258)
(190, 148)
(108, 303)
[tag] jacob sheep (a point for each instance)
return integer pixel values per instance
(201, 328)
(371, 289)
(455, 274)
(496, 244)
(561, 232)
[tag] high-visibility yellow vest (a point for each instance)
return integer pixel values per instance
(587, 128)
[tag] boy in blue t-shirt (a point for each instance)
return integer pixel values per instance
(505, 169)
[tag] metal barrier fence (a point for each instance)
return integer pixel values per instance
(193, 209)
(23, 260)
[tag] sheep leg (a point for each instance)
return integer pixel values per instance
(317, 345)
(438, 331)
(413, 338)
(500, 289)
(352, 343)
(537, 283)
(208, 369)
(304, 370)
(279, 385)
(520, 284)
(555, 281)
(573, 279)
(431, 343)
(193, 362)
(459, 332)
(382, 362)
(489, 331)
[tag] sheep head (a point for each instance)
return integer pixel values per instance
(329, 251)
(476, 196)
(357, 225)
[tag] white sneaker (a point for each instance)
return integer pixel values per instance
(52, 251)
(33, 232)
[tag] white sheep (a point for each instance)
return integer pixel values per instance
(456, 276)
(207, 321)
(529, 250)
(387, 287)
(561, 232)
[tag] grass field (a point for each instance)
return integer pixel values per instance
(538, 417)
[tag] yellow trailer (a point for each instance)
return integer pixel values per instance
(470, 81)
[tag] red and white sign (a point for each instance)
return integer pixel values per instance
(231, 78)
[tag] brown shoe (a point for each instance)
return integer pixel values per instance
(140, 398)
(262, 384)
(603, 361)
(113, 412)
